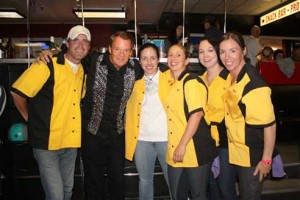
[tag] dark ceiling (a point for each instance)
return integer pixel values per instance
(158, 15)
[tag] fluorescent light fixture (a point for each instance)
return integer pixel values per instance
(10, 13)
(100, 13)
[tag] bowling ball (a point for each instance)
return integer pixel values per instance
(18, 133)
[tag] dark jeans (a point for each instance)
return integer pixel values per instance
(227, 178)
(101, 157)
(185, 181)
(250, 187)
(223, 187)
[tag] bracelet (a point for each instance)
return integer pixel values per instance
(267, 162)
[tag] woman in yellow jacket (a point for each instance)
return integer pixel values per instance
(146, 121)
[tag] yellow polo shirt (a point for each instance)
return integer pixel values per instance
(200, 148)
(248, 109)
(214, 110)
(54, 94)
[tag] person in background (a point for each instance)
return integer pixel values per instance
(296, 53)
(223, 185)
(131, 29)
(287, 65)
(51, 106)
(278, 54)
(109, 82)
(174, 37)
(191, 148)
(146, 131)
(251, 134)
(267, 54)
(253, 45)
(211, 27)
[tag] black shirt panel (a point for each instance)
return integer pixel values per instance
(113, 96)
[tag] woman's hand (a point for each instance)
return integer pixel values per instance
(263, 170)
(179, 153)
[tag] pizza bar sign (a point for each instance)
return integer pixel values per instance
(282, 12)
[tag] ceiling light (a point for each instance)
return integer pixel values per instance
(100, 13)
(10, 13)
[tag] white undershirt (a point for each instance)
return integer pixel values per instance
(153, 122)
(73, 66)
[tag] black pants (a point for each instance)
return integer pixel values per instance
(103, 157)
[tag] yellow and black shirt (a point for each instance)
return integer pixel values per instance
(248, 109)
(214, 110)
(187, 96)
(54, 94)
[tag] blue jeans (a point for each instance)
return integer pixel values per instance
(145, 157)
(227, 177)
(57, 172)
(191, 181)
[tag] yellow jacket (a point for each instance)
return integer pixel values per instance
(133, 110)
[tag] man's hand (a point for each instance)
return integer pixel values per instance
(44, 56)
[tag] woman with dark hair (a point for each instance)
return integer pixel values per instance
(251, 134)
(278, 54)
(146, 121)
(223, 186)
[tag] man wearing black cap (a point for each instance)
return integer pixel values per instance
(48, 97)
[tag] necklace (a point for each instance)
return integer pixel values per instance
(151, 77)
(151, 86)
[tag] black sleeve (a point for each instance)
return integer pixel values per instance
(87, 60)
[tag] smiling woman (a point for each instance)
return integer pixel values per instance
(146, 121)
(191, 148)
(250, 146)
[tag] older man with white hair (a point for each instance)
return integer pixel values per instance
(253, 45)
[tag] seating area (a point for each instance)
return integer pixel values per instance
(286, 101)
(274, 76)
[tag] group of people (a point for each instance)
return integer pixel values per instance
(114, 107)
(285, 64)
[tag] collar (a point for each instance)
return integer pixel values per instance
(182, 74)
(61, 58)
(243, 72)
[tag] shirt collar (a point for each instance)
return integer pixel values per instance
(182, 74)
